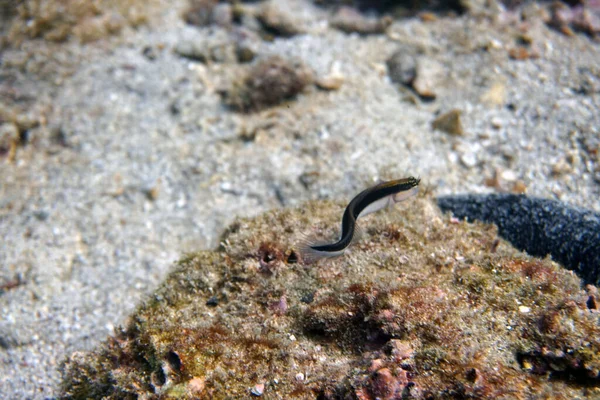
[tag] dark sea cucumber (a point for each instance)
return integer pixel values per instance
(539, 226)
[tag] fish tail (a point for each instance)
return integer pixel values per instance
(306, 249)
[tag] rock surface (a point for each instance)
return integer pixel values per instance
(420, 304)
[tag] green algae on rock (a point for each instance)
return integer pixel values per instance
(424, 306)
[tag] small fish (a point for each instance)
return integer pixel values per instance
(383, 195)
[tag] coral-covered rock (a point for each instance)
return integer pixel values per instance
(434, 311)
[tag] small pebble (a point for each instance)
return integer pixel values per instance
(469, 160)
(349, 19)
(277, 18)
(330, 82)
(245, 52)
(428, 17)
(509, 175)
(495, 95)
(212, 302)
(496, 123)
(560, 168)
(192, 50)
(41, 215)
(519, 187)
(222, 15)
(494, 44)
(402, 66)
(152, 193)
(149, 52)
(199, 12)
(429, 76)
(522, 53)
(449, 122)
(258, 389)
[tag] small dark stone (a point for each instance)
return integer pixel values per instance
(244, 53)
(59, 136)
(174, 108)
(24, 137)
(149, 53)
(308, 298)
(308, 179)
(212, 302)
(279, 195)
(402, 67)
(41, 215)
(7, 342)
(199, 12)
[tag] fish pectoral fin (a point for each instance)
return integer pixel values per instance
(376, 206)
(359, 234)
